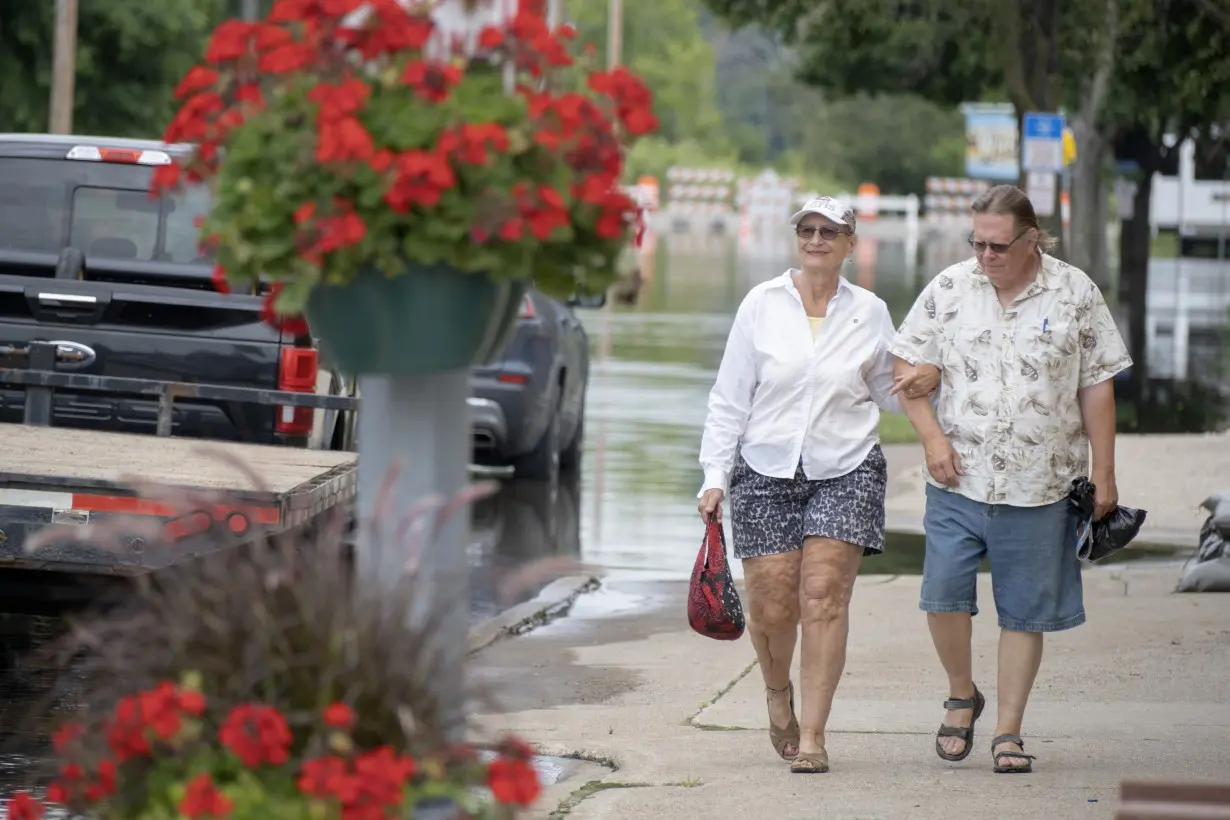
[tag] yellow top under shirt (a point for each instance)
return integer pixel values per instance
(815, 321)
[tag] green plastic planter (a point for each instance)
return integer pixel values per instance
(429, 319)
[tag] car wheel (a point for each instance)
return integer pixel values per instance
(570, 458)
(542, 463)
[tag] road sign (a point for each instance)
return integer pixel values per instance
(1042, 143)
(1040, 188)
(991, 145)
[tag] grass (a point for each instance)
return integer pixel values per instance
(896, 429)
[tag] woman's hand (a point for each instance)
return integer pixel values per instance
(710, 505)
(920, 381)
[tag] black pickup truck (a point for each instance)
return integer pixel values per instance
(117, 280)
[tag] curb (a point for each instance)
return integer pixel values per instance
(555, 600)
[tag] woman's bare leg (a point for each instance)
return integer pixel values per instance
(772, 583)
(826, 584)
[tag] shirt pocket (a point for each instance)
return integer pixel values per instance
(1051, 354)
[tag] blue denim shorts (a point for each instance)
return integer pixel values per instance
(1035, 574)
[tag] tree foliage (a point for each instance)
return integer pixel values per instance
(664, 44)
(130, 54)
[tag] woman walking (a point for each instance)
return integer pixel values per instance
(792, 434)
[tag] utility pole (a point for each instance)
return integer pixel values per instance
(614, 32)
(249, 9)
(64, 67)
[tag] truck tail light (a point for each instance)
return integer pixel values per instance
(527, 308)
(297, 375)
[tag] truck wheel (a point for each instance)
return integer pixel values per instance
(542, 463)
(570, 458)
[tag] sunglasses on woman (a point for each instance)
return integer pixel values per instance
(826, 233)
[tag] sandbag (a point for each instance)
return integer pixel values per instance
(1218, 506)
(1209, 569)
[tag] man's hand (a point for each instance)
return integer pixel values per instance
(943, 463)
(710, 505)
(1105, 495)
(921, 380)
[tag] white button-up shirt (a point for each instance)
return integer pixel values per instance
(1012, 376)
(782, 396)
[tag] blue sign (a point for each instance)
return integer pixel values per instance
(991, 141)
(1042, 143)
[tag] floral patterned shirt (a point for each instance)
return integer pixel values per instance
(1008, 398)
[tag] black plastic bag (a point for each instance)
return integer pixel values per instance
(1111, 534)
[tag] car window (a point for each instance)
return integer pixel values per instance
(101, 208)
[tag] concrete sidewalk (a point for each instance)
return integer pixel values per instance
(1167, 475)
(1142, 690)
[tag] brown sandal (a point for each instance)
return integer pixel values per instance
(1011, 768)
(811, 763)
(789, 736)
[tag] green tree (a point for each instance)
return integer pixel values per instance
(894, 140)
(1025, 52)
(130, 55)
(664, 43)
(1172, 82)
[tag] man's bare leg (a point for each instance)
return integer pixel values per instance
(1020, 655)
(951, 633)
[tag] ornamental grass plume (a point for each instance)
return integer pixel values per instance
(256, 682)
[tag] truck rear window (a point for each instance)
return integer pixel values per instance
(103, 209)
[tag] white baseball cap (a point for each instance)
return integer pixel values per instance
(827, 206)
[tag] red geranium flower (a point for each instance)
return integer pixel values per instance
(218, 280)
(469, 142)
(257, 734)
(513, 781)
(229, 42)
(339, 716)
(422, 177)
(202, 799)
(327, 777)
(431, 80)
(199, 78)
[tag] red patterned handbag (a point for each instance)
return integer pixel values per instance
(714, 609)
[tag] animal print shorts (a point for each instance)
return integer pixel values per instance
(773, 515)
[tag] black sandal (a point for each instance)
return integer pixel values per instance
(1018, 768)
(966, 733)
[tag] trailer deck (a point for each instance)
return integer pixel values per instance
(65, 476)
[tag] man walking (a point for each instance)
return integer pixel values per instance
(1028, 350)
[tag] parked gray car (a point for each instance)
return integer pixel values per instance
(528, 406)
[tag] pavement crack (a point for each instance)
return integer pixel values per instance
(721, 692)
(587, 791)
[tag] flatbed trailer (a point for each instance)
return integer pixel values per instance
(65, 476)
(71, 477)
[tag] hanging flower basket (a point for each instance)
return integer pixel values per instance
(347, 141)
